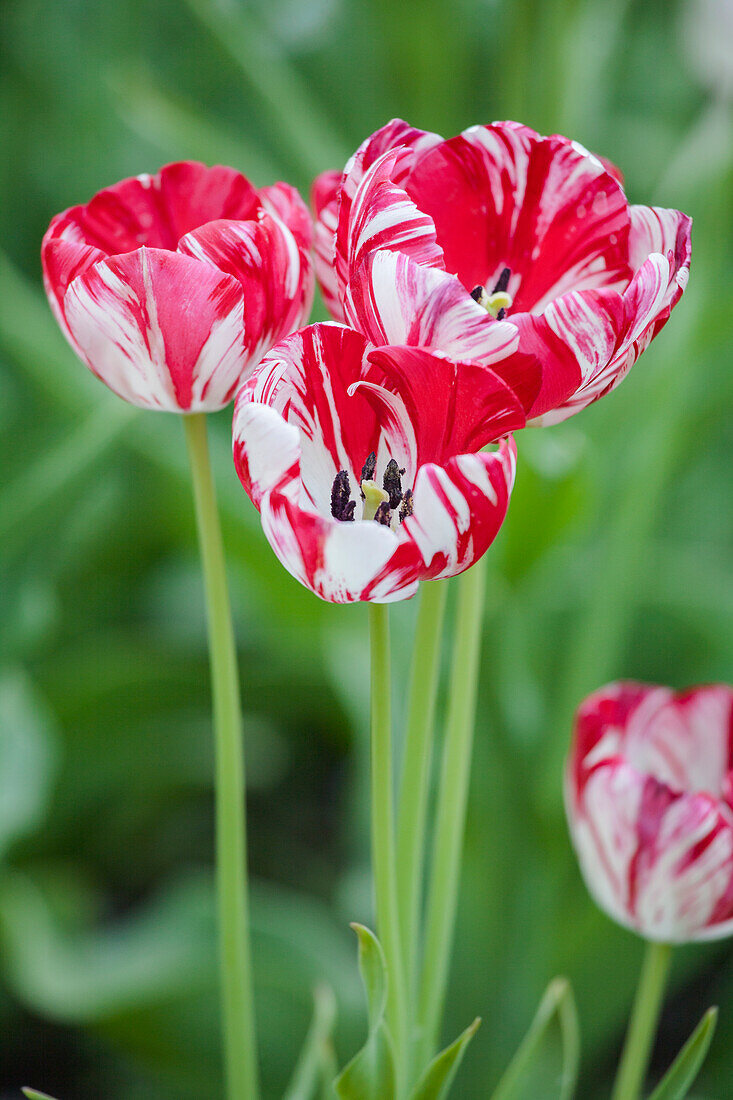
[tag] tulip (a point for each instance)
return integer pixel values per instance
(535, 230)
(649, 796)
(366, 464)
(171, 287)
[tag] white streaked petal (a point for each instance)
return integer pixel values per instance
(162, 330)
(266, 450)
(394, 300)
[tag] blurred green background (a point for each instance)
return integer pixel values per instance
(615, 560)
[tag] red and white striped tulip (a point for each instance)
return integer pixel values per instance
(366, 464)
(537, 229)
(171, 287)
(649, 796)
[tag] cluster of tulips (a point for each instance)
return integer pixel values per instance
(477, 285)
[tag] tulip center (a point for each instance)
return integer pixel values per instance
(498, 302)
(386, 504)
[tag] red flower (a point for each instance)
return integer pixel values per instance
(364, 461)
(536, 229)
(649, 794)
(171, 287)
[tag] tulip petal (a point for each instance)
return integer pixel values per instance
(160, 329)
(450, 407)
(383, 216)
(574, 340)
(266, 450)
(503, 196)
(325, 200)
(324, 190)
(63, 258)
(606, 331)
(459, 508)
(339, 562)
(306, 378)
(276, 277)
(331, 189)
(394, 300)
(193, 194)
(282, 200)
(158, 210)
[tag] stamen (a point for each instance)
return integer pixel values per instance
(406, 506)
(383, 514)
(342, 507)
(368, 470)
(478, 293)
(373, 497)
(502, 282)
(392, 482)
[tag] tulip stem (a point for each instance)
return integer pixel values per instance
(415, 776)
(383, 837)
(231, 844)
(450, 819)
(643, 1024)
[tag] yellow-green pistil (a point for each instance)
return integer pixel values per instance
(498, 302)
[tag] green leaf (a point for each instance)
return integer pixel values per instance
(33, 1094)
(558, 1001)
(370, 1075)
(317, 1049)
(435, 1083)
(373, 970)
(680, 1077)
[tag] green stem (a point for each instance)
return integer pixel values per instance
(383, 844)
(451, 813)
(415, 778)
(643, 1024)
(231, 844)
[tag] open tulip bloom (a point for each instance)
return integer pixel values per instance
(535, 230)
(366, 463)
(170, 287)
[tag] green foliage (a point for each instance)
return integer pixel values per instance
(680, 1077)
(27, 758)
(614, 561)
(435, 1083)
(33, 1094)
(370, 1075)
(315, 1069)
(533, 1062)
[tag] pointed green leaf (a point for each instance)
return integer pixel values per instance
(680, 1077)
(317, 1049)
(435, 1083)
(33, 1094)
(557, 1001)
(370, 1075)
(373, 970)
